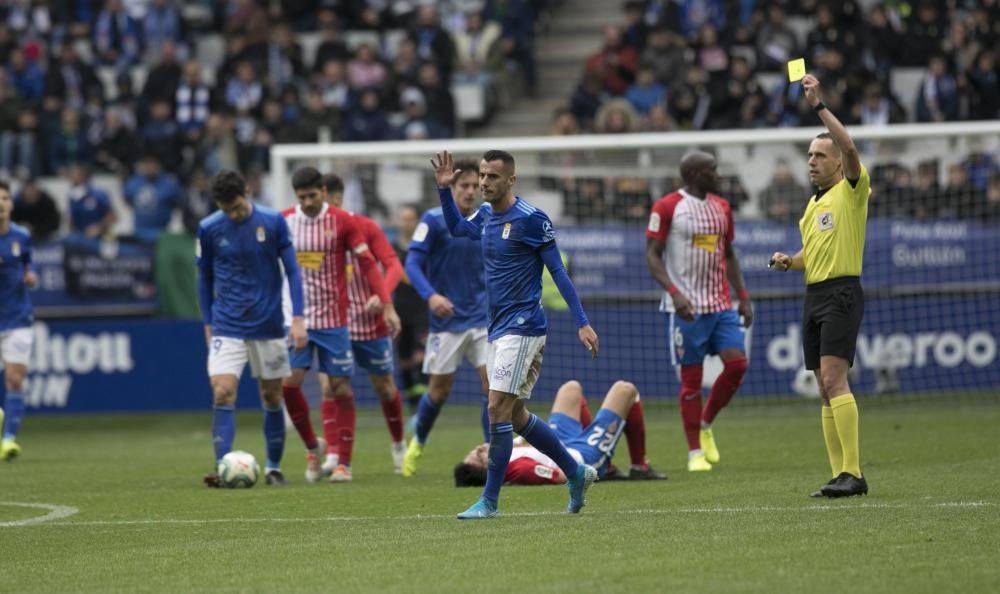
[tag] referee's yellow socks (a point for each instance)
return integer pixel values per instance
(833, 449)
(845, 416)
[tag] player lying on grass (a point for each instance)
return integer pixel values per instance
(591, 443)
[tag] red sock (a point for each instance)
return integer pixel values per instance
(585, 419)
(346, 422)
(328, 414)
(635, 434)
(690, 404)
(298, 411)
(392, 410)
(724, 388)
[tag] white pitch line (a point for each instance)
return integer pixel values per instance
(679, 511)
(56, 512)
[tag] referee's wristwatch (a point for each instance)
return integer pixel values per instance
(819, 107)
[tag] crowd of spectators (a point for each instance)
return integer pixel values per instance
(684, 65)
(72, 104)
(971, 190)
(699, 61)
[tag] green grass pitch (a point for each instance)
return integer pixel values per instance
(145, 523)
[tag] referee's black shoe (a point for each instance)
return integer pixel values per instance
(846, 485)
(819, 492)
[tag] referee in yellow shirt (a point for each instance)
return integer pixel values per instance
(833, 241)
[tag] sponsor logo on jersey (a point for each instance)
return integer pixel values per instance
(547, 233)
(310, 260)
(261, 236)
(502, 372)
(506, 231)
(15, 248)
(706, 241)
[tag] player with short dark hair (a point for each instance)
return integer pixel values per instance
(324, 237)
(241, 250)
(448, 273)
(371, 344)
(833, 244)
(16, 336)
(694, 227)
(517, 241)
(590, 441)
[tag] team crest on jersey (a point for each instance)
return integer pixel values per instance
(15, 249)
(261, 236)
(506, 231)
(825, 221)
(328, 234)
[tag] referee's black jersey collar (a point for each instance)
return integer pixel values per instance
(819, 193)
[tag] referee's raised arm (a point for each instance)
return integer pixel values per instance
(849, 153)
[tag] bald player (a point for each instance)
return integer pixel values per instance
(833, 242)
(689, 250)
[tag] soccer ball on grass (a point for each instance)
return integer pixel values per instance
(238, 469)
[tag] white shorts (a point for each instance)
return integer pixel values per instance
(15, 345)
(513, 364)
(445, 350)
(268, 358)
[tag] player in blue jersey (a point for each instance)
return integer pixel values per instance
(241, 249)
(16, 277)
(454, 287)
(517, 239)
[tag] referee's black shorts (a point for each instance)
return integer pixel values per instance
(831, 318)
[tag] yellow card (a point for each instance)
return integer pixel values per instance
(796, 69)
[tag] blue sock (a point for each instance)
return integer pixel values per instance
(538, 433)
(501, 444)
(223, 430)
(274, 435)
(485, 419)
(427, 413)
(14, 409)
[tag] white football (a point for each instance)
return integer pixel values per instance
(238, 469)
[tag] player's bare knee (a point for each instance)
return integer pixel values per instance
(294, 380)
(13, 384)
(13, 377)
(626, 387)
(223, 396)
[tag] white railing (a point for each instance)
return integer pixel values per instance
(281, 153)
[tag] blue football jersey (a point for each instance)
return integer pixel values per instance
(15, 259)
(239, 263)
(511, 246)
(454, 267)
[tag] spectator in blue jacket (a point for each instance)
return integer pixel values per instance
(937, 98)
(90, 211)
(153, 196)
(25, 76)
(646, 93)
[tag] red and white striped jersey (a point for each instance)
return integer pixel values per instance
(696, 233)
(365, 326)
(322, 245)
